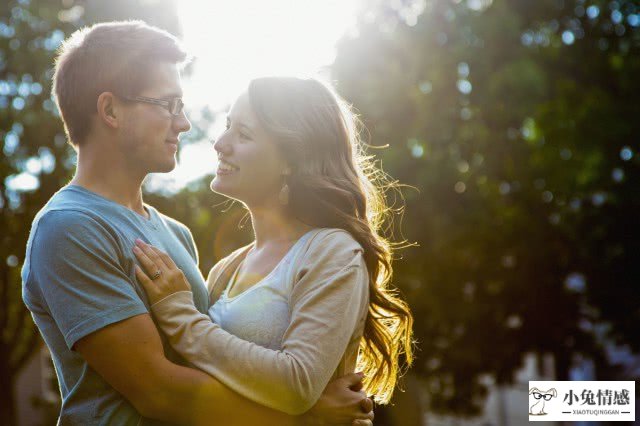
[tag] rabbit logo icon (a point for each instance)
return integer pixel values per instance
(539, 398)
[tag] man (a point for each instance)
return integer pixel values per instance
(117, 87)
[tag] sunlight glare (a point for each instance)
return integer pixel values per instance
(235, 41)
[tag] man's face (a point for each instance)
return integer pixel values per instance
(150, 133)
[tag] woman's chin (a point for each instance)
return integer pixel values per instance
(218, 186)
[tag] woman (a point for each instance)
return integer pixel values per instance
(309, 299)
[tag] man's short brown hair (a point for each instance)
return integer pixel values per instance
(109, 57)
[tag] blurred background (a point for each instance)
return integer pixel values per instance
(514, 123)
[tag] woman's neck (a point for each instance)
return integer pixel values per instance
(273, 225)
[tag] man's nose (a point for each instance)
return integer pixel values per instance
(181, 123)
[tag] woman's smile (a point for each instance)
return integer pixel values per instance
(225, 168)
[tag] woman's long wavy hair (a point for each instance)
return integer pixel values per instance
(334, 184)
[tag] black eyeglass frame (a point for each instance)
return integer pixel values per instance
(537, 395)
(175, 106)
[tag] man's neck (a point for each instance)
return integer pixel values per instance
(110, 178)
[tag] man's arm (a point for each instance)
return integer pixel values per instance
(101, 316)
(130, 357)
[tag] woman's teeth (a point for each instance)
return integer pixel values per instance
(225, 167)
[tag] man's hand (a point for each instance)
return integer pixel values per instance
(342, 403)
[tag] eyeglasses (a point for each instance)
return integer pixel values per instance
(173, 105)
(546, 397)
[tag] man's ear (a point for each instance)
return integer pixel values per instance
(109, 110)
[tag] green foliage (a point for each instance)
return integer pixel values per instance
(516, 121)
(511, 133)
(30, 132)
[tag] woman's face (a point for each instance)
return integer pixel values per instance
(250, 166)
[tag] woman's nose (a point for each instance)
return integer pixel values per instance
(221, 145)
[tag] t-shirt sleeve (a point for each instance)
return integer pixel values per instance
(76, 269)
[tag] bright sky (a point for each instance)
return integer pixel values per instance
(234, 41)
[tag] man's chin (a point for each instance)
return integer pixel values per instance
(164, 168)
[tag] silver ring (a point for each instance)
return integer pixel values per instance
(156, 275)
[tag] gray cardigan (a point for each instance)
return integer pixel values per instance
(328, 306)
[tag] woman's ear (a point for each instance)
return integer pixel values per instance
(108, 109)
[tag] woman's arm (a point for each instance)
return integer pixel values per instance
(328, 301)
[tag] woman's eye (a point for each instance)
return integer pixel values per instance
(245, 136)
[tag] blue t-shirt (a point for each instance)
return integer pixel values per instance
(78, 277)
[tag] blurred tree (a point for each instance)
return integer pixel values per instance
(37, 161)
(517, 121)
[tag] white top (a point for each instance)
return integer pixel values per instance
(259, 314)
(326, 289)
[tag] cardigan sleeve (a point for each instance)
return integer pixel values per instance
(329, 300)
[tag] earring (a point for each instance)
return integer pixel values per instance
(283, 196)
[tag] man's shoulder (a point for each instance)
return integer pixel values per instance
(65, 221)
(69, 197)
(59, 224)
(67, 205)
(63, 232)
